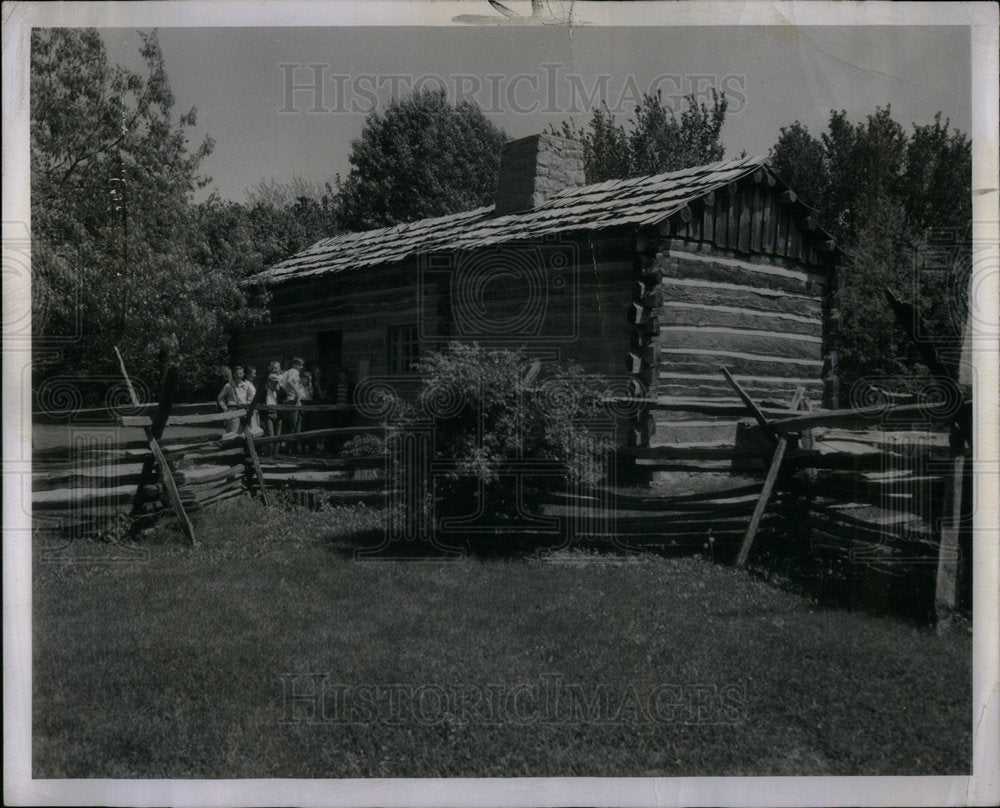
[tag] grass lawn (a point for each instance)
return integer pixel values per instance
(174, 662)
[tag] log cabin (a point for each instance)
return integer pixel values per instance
(654, 282)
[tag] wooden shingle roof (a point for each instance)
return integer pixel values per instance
(636, 201)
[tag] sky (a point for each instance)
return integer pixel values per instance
(526, 78)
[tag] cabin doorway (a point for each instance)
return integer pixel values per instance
(330, 356)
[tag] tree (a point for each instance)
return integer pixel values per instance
(278, 220)
(607, 150)
(656, 140)
(881, 193)
(935, 180)
(800, 160)
(422, 157)
(247, 239)
(117, 250)
(282, 231)
(870, 347)
(269, 191)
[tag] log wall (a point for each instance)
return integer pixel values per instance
(360, 305)
(740, 280)
(567, 299)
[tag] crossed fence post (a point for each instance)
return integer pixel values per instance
(153, 434)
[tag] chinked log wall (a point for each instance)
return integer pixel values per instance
(736, 280)
(359, 304)
(559, 299)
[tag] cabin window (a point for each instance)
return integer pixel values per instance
(403, 348)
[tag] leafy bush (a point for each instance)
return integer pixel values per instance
(484, 419)
(364, 446)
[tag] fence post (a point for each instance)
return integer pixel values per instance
(947, 569)
(772, 476)
(750, 405)
(163, 408)
(168, 480)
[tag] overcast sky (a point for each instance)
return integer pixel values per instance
(773, 76)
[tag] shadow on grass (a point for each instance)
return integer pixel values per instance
(901, 588)
(510, 544)
(782, 560)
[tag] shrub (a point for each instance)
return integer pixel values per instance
(484, 419)
(364, 446)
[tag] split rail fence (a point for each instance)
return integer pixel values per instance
(879, 486)
(95, 479)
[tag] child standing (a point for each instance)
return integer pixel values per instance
(248, 394)
(229, 395)
(272, 421)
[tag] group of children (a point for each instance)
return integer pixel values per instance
(294, 385)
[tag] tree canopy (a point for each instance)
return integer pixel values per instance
(421, 157)
(655, 141)
(900, 205)
(250, 237)
(118, 257)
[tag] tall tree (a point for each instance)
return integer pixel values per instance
(883, 193)
(419, 158)
(655, 141)
(935, 179)
(246, 238)
(116, 248)
(607, 149)
(801, 161)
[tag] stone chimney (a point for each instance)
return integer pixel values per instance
(535, 168)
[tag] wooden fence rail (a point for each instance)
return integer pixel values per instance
(885, 470)
(80, 488)
(124, 464)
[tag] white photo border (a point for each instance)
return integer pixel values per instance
(982, 788)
